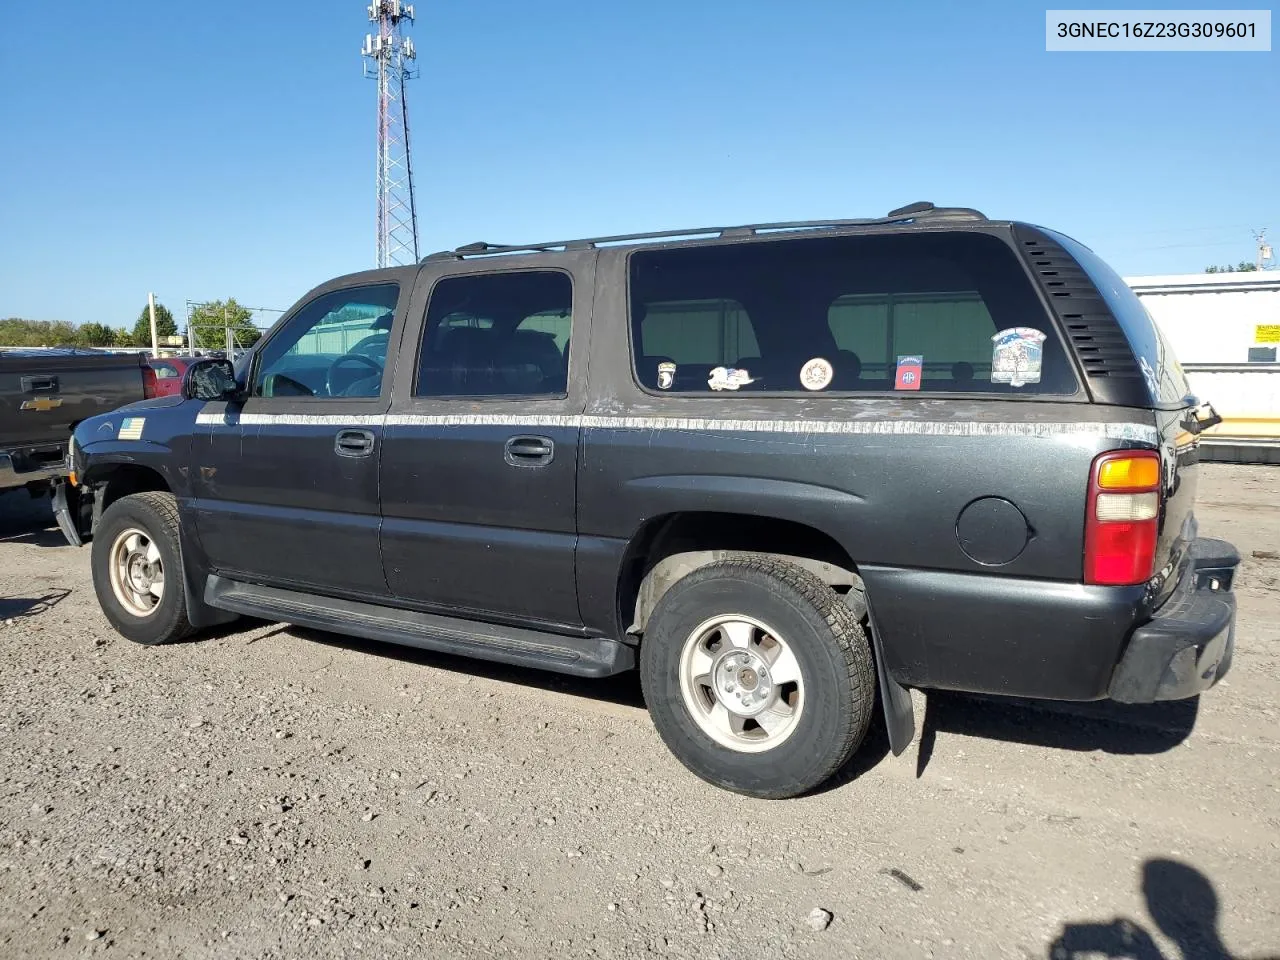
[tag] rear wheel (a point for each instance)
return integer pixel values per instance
(137, 568)
(758, 676)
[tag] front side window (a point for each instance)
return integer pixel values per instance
(334, 347)
(497, 335)
(907, 312)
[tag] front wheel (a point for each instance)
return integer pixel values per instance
(137, 568)
(758, 676)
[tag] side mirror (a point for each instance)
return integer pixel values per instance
(210, 380)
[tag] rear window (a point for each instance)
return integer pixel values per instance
(1166, 382)
(931, 312)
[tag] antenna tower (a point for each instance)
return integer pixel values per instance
(388, 58)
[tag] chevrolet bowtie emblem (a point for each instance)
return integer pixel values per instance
(42, 404)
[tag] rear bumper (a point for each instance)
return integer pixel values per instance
(1188, 645)
(1053, 640)
(15, 473)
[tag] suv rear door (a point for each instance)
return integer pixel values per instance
(479, 465)
(287, 482)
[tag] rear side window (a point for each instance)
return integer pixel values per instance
(497, 335)
(1166, 382)
(930, 312)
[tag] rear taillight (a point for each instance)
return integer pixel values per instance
(1122, 518)
(148, 382)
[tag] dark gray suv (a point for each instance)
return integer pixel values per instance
(781, 469)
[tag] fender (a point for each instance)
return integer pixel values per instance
(94, 462)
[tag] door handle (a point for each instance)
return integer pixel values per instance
(353, 443)
(529, 451)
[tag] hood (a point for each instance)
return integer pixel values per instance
(155, 403)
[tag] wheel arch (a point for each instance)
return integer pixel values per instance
(115, 479)
(668, 547)
(112, 480)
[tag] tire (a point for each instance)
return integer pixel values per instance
(814, 724)
(121, 546)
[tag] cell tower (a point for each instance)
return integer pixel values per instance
(388, 58)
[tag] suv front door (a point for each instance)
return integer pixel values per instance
(479, 465)
(287, 482)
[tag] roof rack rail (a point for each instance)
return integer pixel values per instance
(911, 212)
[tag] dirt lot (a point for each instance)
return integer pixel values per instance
(273, 792)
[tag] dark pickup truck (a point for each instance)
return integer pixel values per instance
(43, 394)
(786, 470)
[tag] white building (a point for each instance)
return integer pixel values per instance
(1215, 317)
(1225, 329)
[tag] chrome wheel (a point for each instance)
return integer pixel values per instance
(136, 572)
(741, 683)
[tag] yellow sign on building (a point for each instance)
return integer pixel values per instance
(1267, 333)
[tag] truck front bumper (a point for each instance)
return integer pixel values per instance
(1188, 644)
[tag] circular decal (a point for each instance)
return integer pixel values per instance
(816, 374)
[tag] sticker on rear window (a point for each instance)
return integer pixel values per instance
(910, 370)
(1017, 355)
(666, 375)
(131, 428)
(728, 378)
(816, 374)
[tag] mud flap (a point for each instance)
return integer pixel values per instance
(66, 508)
(899, 714)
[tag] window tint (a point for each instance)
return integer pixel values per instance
(335, 346)
(863, 304)
(1166, 381)
(693, 332)
(951, 332)
(497, 334)
(163, 371)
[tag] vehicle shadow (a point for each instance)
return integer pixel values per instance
(14, 608)
(1182, 903)
(49, 537)
(623, 689)
(1110, 727)
(29, 520)
(1107, 726)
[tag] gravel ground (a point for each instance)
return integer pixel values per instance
(274, 792)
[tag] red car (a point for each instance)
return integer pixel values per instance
(162, 376)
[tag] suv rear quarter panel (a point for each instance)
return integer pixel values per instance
(886, 477)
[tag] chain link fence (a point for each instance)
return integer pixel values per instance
(232, 336)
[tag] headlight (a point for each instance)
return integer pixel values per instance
(73, 467)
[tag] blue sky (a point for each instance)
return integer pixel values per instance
(211, 150)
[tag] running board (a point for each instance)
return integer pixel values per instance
(580, 656)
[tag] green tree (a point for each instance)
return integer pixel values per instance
(96, 335)
(165, 326)
(123, 337)
(17, 332)
(210, 320)
(1244, 266)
